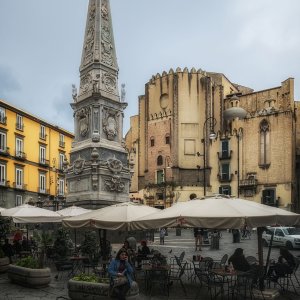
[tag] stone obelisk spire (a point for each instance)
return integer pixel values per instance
(98, 173)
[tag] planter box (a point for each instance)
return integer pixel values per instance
(35, 278)
(4, 263)
(79, 290)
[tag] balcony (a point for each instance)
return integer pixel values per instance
(44, 162)
(3, 120)
(43, 136)
(4, 151)
(41, 190)
(225, 177)
(61, 144)
(224, 154)
(4, 183)
(21, 155)
(20, 126)
(248, 183)
(20, 186)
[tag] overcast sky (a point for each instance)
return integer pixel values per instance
(254, 43)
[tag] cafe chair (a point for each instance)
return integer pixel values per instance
(61, 267)
(251, 260)
(175, 274)
(222, 262)
(207, 280)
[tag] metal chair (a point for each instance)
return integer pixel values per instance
(175, 274)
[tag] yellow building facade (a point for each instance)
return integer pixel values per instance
(32, 153)
(254, 157)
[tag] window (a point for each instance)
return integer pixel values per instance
(19, 147)
(61, 187)
(19, 178)
(43, 132)
(225, 149)
(19, 124)
(225, 171)
(159, 160)
(264, 160)
(2, 174)
(2, 115)
(42, 183)
(42, 155)
(159, 176)
(61, 161)
(225, 190)
(19, 200)
(3, 141)
(152, 143)
(167, 139)
(268, 197)
(61, 140)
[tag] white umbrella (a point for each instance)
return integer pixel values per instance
(113, 217)
(31, 214)
(217, 212)
(1, 209)
(220, 212)
(73, 211)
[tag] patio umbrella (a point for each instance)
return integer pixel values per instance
(1, 209)
(217, 212)
(114, 217)
(71, 212)
(31, 214)
(222, 213)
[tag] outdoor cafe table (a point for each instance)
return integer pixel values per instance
(155, 273)
(226, 279)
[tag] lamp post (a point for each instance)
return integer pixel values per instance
(212, 135)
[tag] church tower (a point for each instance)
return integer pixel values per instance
(98, 173)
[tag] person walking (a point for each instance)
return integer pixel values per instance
(162, 234)
(198, 234)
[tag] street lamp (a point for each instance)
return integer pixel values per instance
(212, 135)
(39, 203)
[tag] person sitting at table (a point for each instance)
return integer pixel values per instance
(130, 251)
(121, 274)
(239, 261)
(285, 264)
(25, 244)
(143, 251)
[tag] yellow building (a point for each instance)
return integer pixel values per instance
(175, 155)
(32, 153)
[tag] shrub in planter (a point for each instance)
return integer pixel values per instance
(4, 261)
(27, 272)
(92, 287)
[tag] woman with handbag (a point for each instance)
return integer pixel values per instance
(121, 274)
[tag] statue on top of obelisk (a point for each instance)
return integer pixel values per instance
(98, 173)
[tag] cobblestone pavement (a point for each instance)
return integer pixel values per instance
(174, 245)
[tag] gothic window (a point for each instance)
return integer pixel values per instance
(159, 160)
(264, 159)
(152, 142)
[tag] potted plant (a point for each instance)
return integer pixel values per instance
(85, 286)
(27, 272)
(4, 261)
(63, 245)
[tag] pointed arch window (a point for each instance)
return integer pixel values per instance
(264, 159)
(159, 160)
